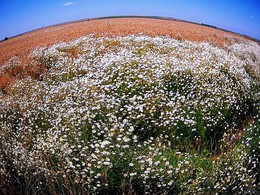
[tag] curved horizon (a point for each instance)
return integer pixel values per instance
(17, 17)
(130, 16)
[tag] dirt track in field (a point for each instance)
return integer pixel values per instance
(23, 44)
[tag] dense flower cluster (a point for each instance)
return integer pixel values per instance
(133, 114)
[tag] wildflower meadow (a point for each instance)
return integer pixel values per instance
(132, 115)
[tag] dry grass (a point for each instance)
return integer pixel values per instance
(23, 44)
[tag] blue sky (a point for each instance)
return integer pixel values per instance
(18, 16)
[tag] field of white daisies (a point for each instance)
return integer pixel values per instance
(133, 115)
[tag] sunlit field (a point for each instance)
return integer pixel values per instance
(132, 115)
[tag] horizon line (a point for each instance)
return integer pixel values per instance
(130, 16)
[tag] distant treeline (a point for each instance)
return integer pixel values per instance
(209, 25)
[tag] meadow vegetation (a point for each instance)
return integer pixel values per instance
(131, 115)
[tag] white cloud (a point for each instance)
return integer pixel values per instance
(69, 3)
